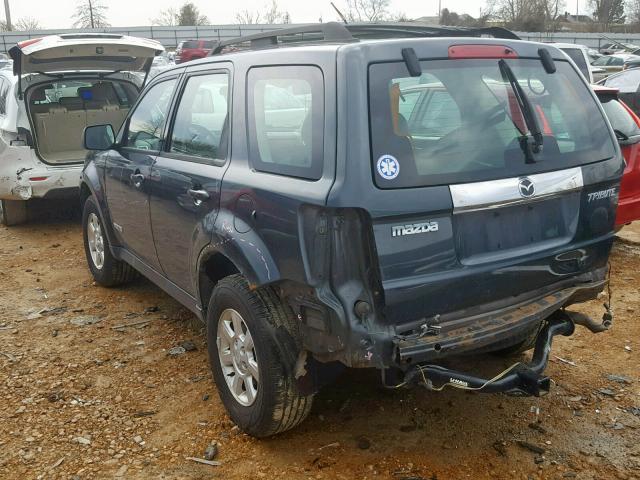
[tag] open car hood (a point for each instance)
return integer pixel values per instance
(84, 51)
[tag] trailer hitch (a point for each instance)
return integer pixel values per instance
(520, 379)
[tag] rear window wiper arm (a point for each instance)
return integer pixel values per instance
(531, 143)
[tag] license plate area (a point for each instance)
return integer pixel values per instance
(491, 233)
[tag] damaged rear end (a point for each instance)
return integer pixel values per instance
(475, 201)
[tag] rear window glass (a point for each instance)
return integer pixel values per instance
(577, 56)
(190, 44)
(620, 118)
(459, 122)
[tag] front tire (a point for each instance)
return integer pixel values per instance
(253, 344)
(105, 268)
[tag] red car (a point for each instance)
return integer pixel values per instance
(193, 49)
(626, 125)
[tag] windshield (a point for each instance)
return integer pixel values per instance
(460, 122)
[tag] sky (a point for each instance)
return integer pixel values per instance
(58, 13)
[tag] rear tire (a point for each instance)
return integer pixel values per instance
(253, 344)
(105, 268)
(13, 212)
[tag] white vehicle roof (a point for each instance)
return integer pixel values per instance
(568, 45)
(84, 51)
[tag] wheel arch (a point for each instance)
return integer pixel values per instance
(90, 186)
(223, 257)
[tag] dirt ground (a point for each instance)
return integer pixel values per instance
(82, 398)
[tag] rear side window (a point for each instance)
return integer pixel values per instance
(459, 122)
(207, 44)
(621, 120)
(286, 120)
(149, 117)
(201, 127)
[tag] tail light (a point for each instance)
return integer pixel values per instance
(481, 51)
(26, 43)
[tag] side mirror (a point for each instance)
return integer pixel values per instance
(98, 137)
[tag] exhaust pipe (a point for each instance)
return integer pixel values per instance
(591, 324)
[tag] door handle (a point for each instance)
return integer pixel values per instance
(198, 195)
(137, 179)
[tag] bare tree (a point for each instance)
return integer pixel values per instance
(275, 15)
(367, 10)
(90, 14)
(633, 11)
(168, 17)
(246, 17)
(190, 15)
(608, 12)
(528, 15)
(28, 23)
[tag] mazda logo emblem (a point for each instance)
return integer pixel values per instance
(526, 187)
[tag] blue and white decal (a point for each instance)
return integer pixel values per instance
(388, 167)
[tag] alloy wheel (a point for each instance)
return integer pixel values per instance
(95, 240)
(237, 356)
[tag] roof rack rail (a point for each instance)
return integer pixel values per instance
(408, 29)
(329, 32)
(351, 32)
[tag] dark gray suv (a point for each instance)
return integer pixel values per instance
(331, 196)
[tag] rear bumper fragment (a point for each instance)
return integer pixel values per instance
(481, 332)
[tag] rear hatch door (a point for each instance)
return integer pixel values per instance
(84, 52)
(474, 220)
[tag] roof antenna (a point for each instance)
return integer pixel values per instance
(339, 13)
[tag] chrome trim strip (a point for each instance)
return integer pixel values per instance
(505, 191)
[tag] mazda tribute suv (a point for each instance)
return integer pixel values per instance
(369, 196)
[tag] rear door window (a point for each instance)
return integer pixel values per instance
(201, 126)
(459, 122)
(286, 117)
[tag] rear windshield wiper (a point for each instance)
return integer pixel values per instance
(531, 143)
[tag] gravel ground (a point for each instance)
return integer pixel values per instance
(89, 390)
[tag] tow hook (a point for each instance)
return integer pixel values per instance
(519, 379)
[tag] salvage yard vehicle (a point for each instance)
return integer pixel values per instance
(626, 126)
(193, 50)
(366, 196)
(59, 85)
(627, 83)
(612, 64)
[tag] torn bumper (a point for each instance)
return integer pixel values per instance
(520, 379)
(478, 333)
